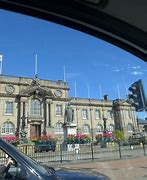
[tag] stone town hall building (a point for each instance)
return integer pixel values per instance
(39, 105)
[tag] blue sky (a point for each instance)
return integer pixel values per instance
(88, 61)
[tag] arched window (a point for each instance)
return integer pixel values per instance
(130, 127)
(99, 128)
(111, 127)
(35, 107)
(58, 128)
(86, 129)
(7, 128)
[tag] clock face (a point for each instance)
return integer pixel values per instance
(58, 93)
(10, 88)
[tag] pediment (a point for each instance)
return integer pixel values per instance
(37, 90)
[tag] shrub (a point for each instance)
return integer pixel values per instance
(99, 137)
(104, 137)
(11, 139)
(43, 138)
(78, 139)
(119, 135)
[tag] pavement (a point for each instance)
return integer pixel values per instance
(124, 169)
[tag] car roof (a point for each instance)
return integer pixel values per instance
(120, 22)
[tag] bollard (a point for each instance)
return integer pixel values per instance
(61, 160)
(92, 155)
(143, 148)
(119, 149)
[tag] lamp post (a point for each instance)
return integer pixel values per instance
(23, 122)
(23, 133)
(103, 143)
(91, 123)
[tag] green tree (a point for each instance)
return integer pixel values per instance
(119, 135)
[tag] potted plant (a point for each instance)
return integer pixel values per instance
(44, 143)
(78, 139)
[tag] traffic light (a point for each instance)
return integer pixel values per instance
(137, 96)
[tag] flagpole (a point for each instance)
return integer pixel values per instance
(118, 91)
(88, 90)
(75, 89)
(100, 91)
(126, 89)
(36, 65)
(64, 73)
(1, 63)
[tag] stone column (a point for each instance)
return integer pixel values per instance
(77, 119)
(49, 115)
(21, 104)
(18, 115)
(133, 117)
(23, 118)
(26, 113)
(91, 124)
(48, 110)
(45, 115)
(122, 118)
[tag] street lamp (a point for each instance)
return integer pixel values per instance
(23, 133)
(103, 143)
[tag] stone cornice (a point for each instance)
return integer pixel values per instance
(8, 95)
(27, 84)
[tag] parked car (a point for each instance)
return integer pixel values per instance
(41, 146)
(26, 168)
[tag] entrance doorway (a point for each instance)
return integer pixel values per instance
(35, 130)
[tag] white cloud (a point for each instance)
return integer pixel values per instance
(137, 73)
(136, 67)
(72, 75)
(116, 70)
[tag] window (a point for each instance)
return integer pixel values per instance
(86, 129)
(127, 115)
(109, 114)
(9, 108)
(59, 109)
(111, 127)
(97, 114)
(7, 128)
(35, 107)
(58, 128)
(130, 127)
(99, 128)
(84, 114)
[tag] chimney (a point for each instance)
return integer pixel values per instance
(105, 97)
